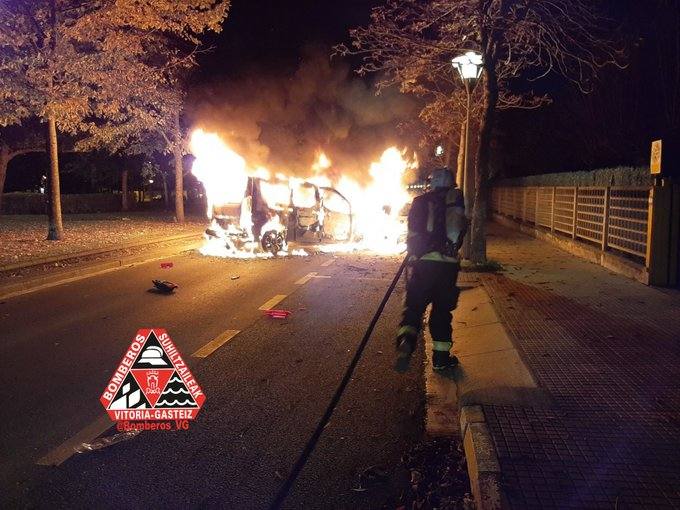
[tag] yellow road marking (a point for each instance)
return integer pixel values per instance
(273, 301)
(213, 345)
(305, 279)
(61, 453)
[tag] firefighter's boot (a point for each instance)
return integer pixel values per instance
(406, 345)
(441, 358)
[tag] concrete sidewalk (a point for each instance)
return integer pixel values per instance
(583, 407)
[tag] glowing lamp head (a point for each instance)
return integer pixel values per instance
(469, 65)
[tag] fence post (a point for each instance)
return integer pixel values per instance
(537, 207)
(552, 210)
(659, 223)
(605, 219)
(573, 218)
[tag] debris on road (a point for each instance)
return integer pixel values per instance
(165, 286)
(438, 476)
(103, 442)
(278, 314)
(372, 476)
(166, 265)
(235, 277)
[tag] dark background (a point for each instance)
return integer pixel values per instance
(612, 126)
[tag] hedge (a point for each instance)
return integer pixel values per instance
(35, 203)
(619, 176)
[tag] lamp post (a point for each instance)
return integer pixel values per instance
(469, 66)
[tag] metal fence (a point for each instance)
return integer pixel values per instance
(613, 218)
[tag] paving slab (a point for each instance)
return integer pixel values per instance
(604, 350)
(490, 363)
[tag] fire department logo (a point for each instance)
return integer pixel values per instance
(153, 384)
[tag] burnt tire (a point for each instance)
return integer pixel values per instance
(273, 241)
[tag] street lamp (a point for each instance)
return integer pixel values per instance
(469, 66)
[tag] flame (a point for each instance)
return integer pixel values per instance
(262, 173)
(276, 194)
(220, 169)
(322, 163)
(375, 208)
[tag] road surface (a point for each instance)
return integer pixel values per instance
(266, 387)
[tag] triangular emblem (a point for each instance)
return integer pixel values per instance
(152, 382)
(152, 355)
(129, 396)
(176, 394)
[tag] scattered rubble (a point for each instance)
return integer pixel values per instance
(165, 286)
(438, 476)
(103, 442)
(278, 314)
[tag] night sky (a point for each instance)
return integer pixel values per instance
(270, 40)
(271, 33)
(613, 126)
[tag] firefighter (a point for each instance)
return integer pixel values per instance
(436, 228)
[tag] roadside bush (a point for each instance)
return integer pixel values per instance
(34, 203)
(618, 176)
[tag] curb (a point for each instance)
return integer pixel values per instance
(91, 253)
(79, 273)
(484, 469)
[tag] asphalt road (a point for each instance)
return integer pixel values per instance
(266, 387)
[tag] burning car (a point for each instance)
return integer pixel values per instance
(271, 213)
(255, 214)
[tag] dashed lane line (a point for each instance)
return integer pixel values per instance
(65, 450)
(273, 301)
(305, 279)
(215, 344)
(360, 278)
(58, 455)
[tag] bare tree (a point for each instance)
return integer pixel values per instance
(411, 43)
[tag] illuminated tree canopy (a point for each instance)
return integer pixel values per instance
(76, 65)
(410, 43)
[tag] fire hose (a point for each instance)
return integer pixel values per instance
(323, 422)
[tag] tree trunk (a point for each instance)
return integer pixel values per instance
(4, 161)
(179, 185)
(124, 203)
(478, 230)
(179, 172)
(56, 228)
(460, 168)
(166, 195)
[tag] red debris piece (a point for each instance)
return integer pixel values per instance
(166, 265)
(278, 314)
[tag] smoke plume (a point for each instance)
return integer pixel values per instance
(283, 122)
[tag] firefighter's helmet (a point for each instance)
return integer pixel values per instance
(441, 178)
